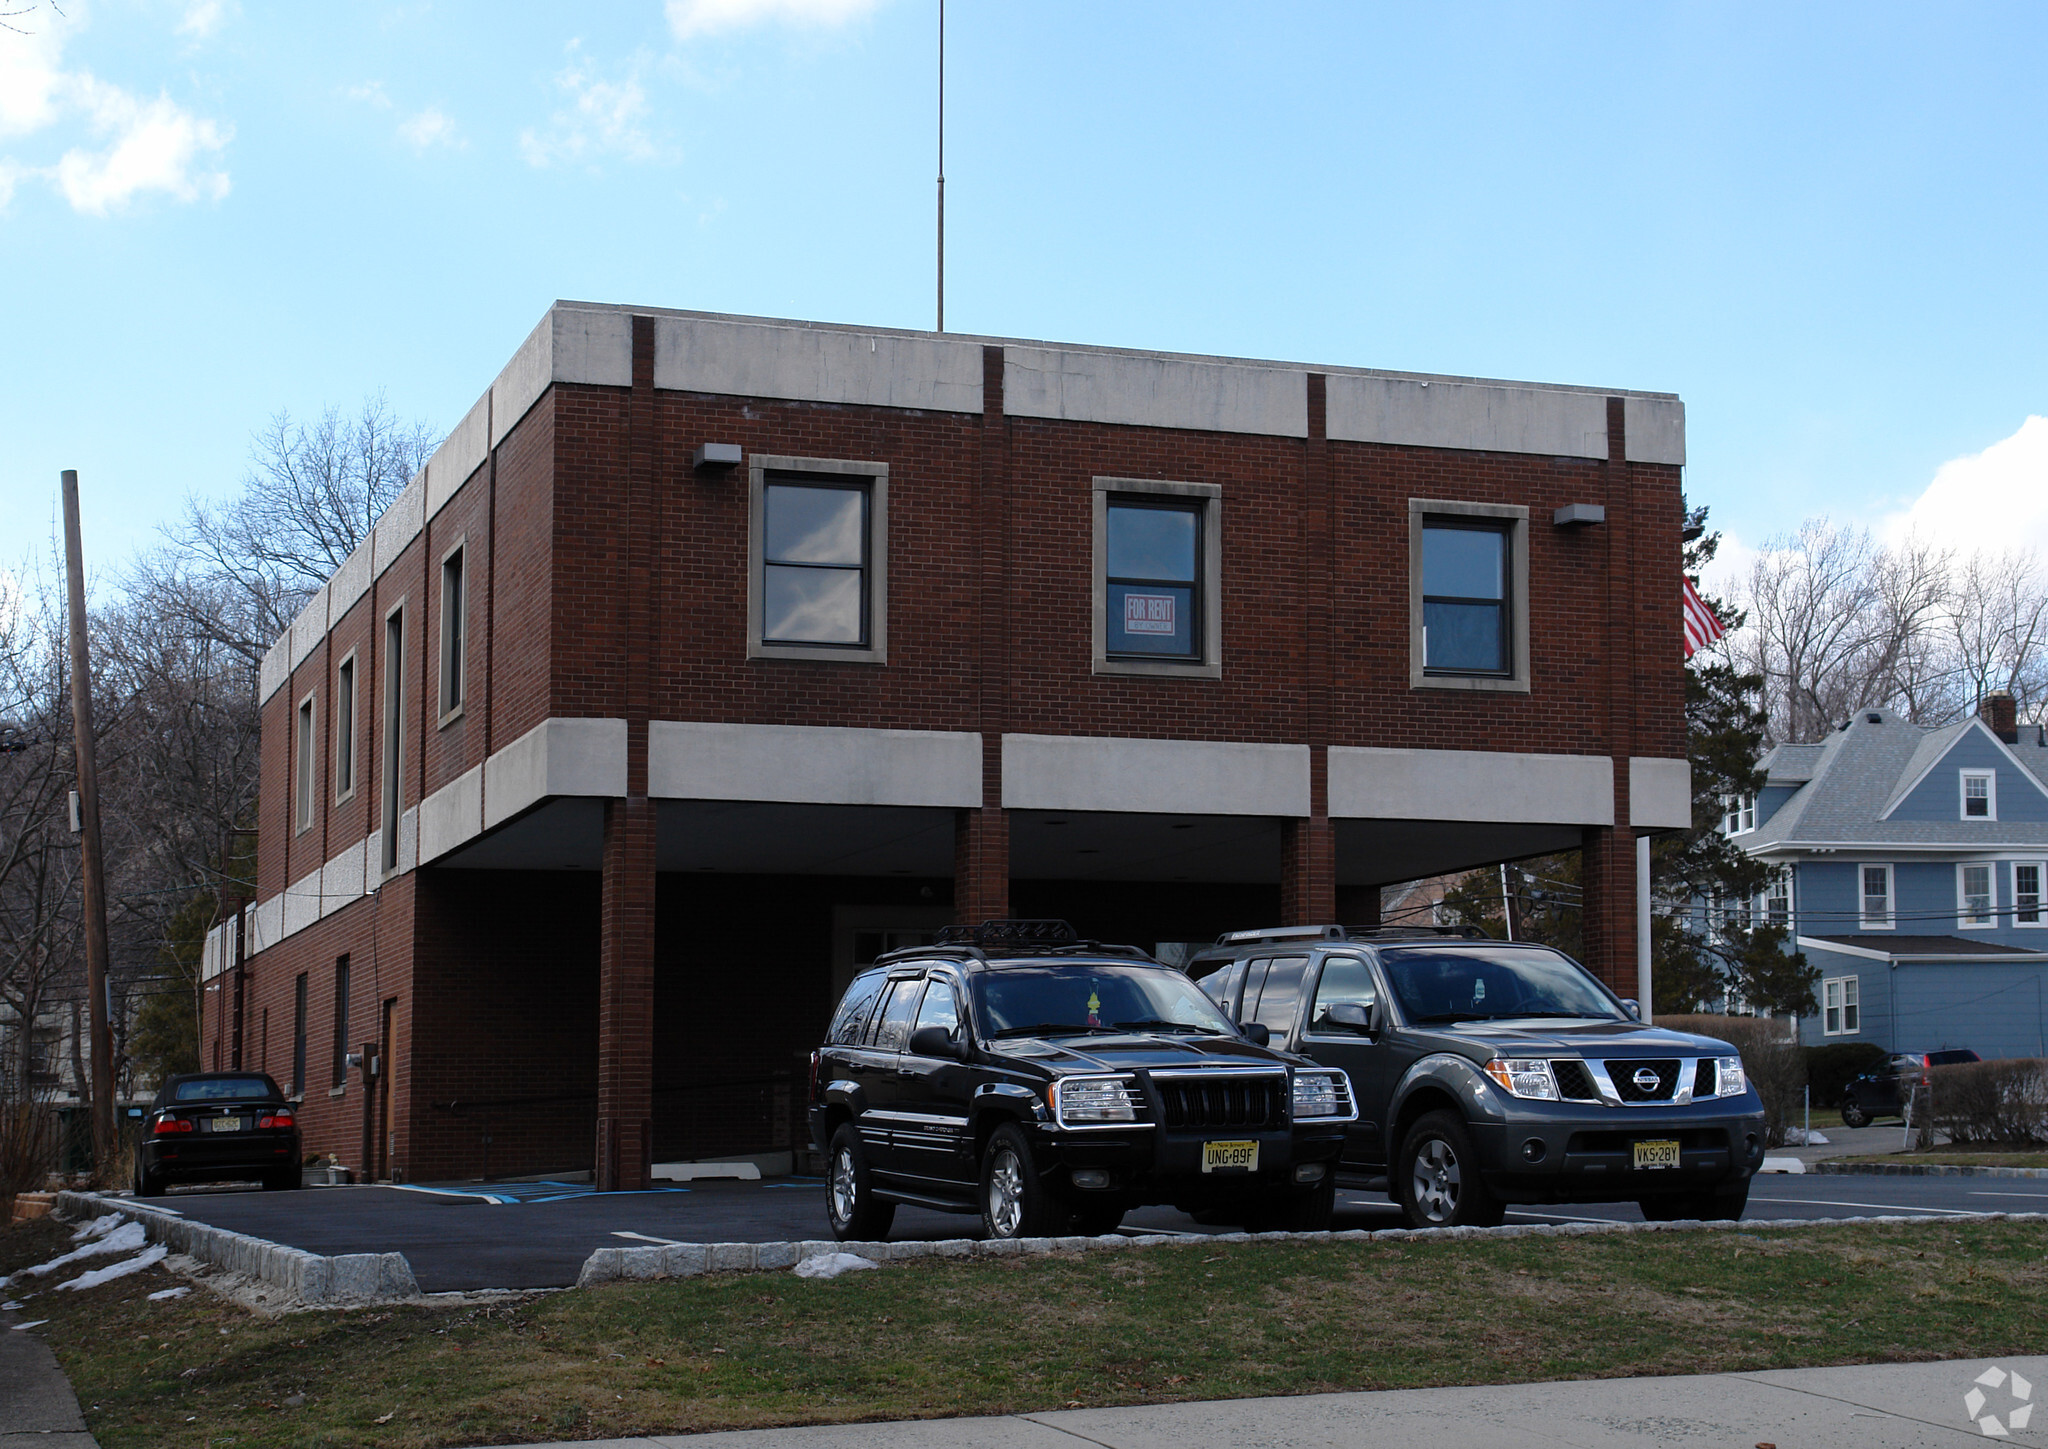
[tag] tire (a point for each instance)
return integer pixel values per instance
(147, 1184)
(1014, 1203)
(1295, 1211)
(1096, 1220)
(1437, 1180)
(1720, 1205)
(1853, 1114)
(283, 1180)
(850, 1203)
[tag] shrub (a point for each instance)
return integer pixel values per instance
(1830, 1069)
(2003, 1102)
(1773, 1058)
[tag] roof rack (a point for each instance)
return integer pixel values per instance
(1344, 933)
(1019, 931)
(1018, 937)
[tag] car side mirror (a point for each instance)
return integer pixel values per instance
(935, 1041)
(1358, 1016)
(1633, 1007)
(1256, 1033)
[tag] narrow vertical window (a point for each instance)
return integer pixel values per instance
(814, 564)
(1831, 1008)
(1980, 796)
(303, 783)
(299, 1036)
(453, 617)
(2026, 893)
(394, 732)
(345, 729)
(341, 1022)
(1852, 1005)
(1778, 902)
(1877, 897)
(1975, 889)
(1152, 555)
(1465, 592)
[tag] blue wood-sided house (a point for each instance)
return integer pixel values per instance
(1917, 862)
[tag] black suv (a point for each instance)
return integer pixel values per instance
(1051, 1084)
(1491, 1073)
(1889, 1092)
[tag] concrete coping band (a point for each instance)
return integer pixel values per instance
(362, 1279)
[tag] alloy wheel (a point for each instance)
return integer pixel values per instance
(1005, 1193)
(845, 1190)
(1437, 1180)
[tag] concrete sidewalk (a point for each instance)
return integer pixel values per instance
(37, 1406)
(1882, 1406)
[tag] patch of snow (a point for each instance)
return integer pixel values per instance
(1803, 1137)
(1783, 1164)
(124, 1239)
(122, 1269)
(32, 1323)
(831, 1265)
(178, 1292)
(99, 1227)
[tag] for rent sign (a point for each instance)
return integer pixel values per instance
(1148, 613)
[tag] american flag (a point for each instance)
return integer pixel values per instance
(1701, 627)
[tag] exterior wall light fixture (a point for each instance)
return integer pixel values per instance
(715, 457)
(1578, 515)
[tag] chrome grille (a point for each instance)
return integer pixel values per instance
(1706, 1079)
(1626, 1087)
(1574, 1082)
(1222, 1101)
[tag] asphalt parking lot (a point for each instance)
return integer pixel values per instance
(537, 1235)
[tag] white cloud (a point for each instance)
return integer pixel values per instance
(602, 118)
(1727, 576)
(1992, 501)
(431, 127)
(690, 18)
(203, 18)
(140, 146)
(370, 93)
(156, 146)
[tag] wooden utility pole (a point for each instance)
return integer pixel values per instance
(104, 1142)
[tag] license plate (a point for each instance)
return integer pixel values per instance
(225, 1124)
(1230, 1157)
(1656, 1154)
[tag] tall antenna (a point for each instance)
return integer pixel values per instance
(942, 165)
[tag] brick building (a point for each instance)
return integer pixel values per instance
(710, 656)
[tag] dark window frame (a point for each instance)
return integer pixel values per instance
(299, 1036)
(1513, 521)
(765, 470)
(1197, 601)
(453, 673)
(1505, 604)
(1205, 500)
(346, 713)
(341, 990)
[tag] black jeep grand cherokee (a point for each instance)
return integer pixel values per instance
(1051, 1084)
(1491, 1073)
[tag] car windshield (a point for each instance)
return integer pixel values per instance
(1072, 1000)
(224, 1089)
(1471, 984)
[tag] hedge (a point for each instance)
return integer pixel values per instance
(2002, 1102)
(1776, 1063)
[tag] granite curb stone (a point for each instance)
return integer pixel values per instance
(1922, 1169)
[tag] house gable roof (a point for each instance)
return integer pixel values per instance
(1928, 790)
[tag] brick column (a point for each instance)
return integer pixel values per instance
(981, 838)
(1308, 854)
(626, 925)
(1308, 847)
(1608, 919)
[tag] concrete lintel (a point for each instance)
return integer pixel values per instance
(276, 669)
(451, 815)
(342, 878)
(1482, 416)
(310, 627)
(400, 525)
(1656, 429)
(1481, 785)
(555, 757)
(302, 902)
(1087, 385)
(807, 764)
(1155, 777)
(770, 359)
(1659, 794)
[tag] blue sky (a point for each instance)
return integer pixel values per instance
(1821, 225)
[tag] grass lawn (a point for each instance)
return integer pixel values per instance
(933, 1337)
(1943, 1156)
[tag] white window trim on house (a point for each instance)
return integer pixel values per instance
(1964, 920)
(828, 471)
(1738, 814)
(1515, 520)
(1841, 1006)
(1784, 884)
(305, 762)
(1990, 779)
(2040, 920)
(1891, 901)
(1209, 664)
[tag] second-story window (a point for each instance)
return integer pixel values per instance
(1152, 579)
(1778, 902)
(1980, 795)
(1465, 622)
(454, 626)
(1877, 897)
(1741, 813)
(345, 728)
(1973, 891)
(819, 582)
(303, 784)
(2026, 893)
(391, 796)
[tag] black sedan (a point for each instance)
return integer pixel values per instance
(218, 1127)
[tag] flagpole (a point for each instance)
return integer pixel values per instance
(942, 165)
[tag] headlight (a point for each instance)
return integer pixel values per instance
(1728, 1078)
(1524, 1077)
(1085, 1101)
(1319, 1094)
